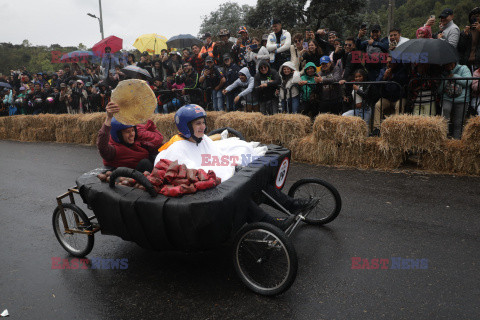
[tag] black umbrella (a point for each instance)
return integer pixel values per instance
(5, 85)
(433, 51)
(136, 72)
(183, 41)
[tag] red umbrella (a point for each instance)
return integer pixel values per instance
(113, 42)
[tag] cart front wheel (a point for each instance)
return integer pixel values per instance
(265, 259)
(68, 230)
(329, 202)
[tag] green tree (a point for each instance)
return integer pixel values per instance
(229, 15)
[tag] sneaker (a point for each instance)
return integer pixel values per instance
(303, 205)
(375, 133)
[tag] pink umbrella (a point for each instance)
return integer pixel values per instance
(113, 42)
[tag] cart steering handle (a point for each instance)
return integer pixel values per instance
(134, 174)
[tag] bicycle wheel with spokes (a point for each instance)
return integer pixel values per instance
(77, 244)
(265, 259)
(329, 200)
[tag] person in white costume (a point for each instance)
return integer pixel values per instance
(197, 151)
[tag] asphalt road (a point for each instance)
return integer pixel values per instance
(385, 215)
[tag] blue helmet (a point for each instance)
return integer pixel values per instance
(116, 128)
(187, 114)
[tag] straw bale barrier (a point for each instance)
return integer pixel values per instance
(454, 157)
(471, 134)
(282, 128)
(166, 125)
(248, 123)
(414, 133)
(308, 149)
(344, 130)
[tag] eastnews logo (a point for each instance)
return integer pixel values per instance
(94, 263)
(393, 263)
(209, 160)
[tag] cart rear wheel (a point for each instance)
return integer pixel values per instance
(329, 200)
(77, 244)
(265, 259)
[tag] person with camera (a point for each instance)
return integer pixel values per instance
(373, 47)
(469, 42)
(230, 70)
(208, 46)
(395, 38)
(449, 31)
(239, 50)
(37, 99)
(278, 44)
(327, 46)
(267, 81)
(214, 79)
(256, 53)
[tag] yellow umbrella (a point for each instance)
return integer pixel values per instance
(152, 43)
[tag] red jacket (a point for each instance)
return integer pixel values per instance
(115, 154)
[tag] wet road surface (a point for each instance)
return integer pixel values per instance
(384, 215)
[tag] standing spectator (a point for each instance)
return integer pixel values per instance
(350, 66)
(8, 102)
(395, 38)
(131, 60)
(373, 48)
(289, 94)
(391, 95)
(449, 31)
(422, 90)
(208, 45)
(223, 46)
(173, 63)
(109, 62)
(296, 51)
(330, 91)
(196, 60)
(240, 48)
(313, 54)
(475, 103)
(214, 79)
(79, 97)
(455, 94)
(267, 80)
(245, 84)
(191, 82)
(424, 32)
(157, 70)
(37, 98)
(145, 62)
(230, 70)
(309, 78)
(278, 44)
(186, 54)
(257, 53)
(65, 99)
(469, 42)
(326, 46)
(21, 101)
(93, 98)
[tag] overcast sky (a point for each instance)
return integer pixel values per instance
(45, 22)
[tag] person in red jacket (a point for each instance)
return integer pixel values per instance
(128, 146)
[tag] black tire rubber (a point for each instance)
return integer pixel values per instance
(134, 174)
(230, 130)
(58, 225)
(283, 243)
(332, 194)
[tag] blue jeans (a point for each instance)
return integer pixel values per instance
(217, 99)
(292, 104)
(365, 114)
(229, 99)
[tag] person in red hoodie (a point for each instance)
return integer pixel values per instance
(128, 146)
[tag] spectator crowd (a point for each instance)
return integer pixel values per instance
(310, 73)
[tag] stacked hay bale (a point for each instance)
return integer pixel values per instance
(11, 127)
(282, 128)
(66, 125)
(166, 125)
(457, 156)
(37, 128)
(212, 116)
(249, 124)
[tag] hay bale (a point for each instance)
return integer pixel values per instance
(212, 116)
(38, 134)
(308, 149)
(374, 155)
(283, 128)
(413, 133)
(471, 134)
(454, 157)
(166, 125)
(88, 125)
(248, 123)
(344, 130)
